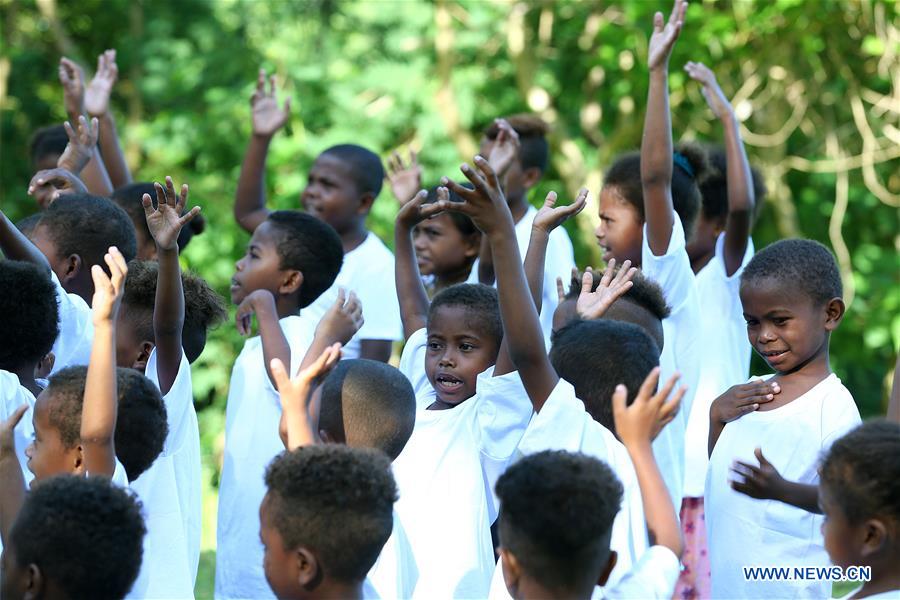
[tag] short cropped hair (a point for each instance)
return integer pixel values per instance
(203, 307)
(556, 515)
(481, 305)
(311, 246)
(48, 141)
(596, 356)
(366, 167)
(714, 189)
(806, 266)
(87, 226)
(625, 176)
(130, 198)
(534, 152)
(85, 535)
(462, 222)
(862, 472)
(644, 292)
(335, 500)
(27, 225)
(141, 425)
(30, 312)
(369, 404)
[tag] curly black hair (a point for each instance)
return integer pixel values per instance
(204, 309)
(534, 151)
(141, 424)
(368, 404)
(862, 472)
(714, 188)
(481, 305)
(130, 199)
(84, 534)
(366, 167)
(335, 500)
(31, 314)
(644, 292)
(48, 141)
(310, 246)
(596, 356)
(556, 515)
(87, 226)
(27, 225)
(804, 266)
(625, 176)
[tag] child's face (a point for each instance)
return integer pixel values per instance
(331, 194)
(620, 232)
(457, 353)
(441, 248)
(47, 455)
(279, 564)
(703, 242)
(260, 267)
(789, 331)
(837, 531)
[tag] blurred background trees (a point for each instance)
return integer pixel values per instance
(816, 85)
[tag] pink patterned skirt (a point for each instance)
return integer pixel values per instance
(694, 579)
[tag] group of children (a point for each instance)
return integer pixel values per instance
(547, 434)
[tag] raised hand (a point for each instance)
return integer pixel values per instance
(711, 91)
(81, 145)
(505, 148)
(550, 216)
(7, 431)
(295, 390)
(267, 116)
(71, 76)
(742, 399)
(762, 481)
(405, 179)
(343, 319)
(48, 185)
(664, 35)
(593, 305)
(108, 290)
(96, 95)
(484, 203)
(416, 210)
(243, 318)
(165, 220)
(640, 422)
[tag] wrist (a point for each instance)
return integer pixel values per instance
(661, 70)
(104, 325)
(263, 138)
(167, 251)
(540, 233)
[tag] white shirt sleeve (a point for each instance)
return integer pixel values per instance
(653, 577)
(12, 396)
(76, 329)
(179, 401)
(559, 426)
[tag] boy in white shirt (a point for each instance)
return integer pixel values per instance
(291, 259)
(342, 186)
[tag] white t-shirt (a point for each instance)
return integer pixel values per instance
(368, 270)
(251, 442)
(653, 577)
(76, 329)
(743, 531)
(559, 262)
(726, 356)
(564, 424)
(446, 476)
(681, 349)
(170, 492)
(12, 396)
(395, 573)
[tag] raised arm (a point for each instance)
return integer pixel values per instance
(96, 103)
(100, 407)
(522, 334)
(250, 200)
(165, 223)
(338, 326)
(274, 342)
(12, 483)
(405, 178)
(410, 291)
(741, 198)
(80, 148)
(15, 246)
(48, 185)
(656, 144)
(636, 426)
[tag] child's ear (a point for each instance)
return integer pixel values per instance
(834, 312)
(72, 268)
(43, 368)
(473, 245)
(290, 283)
(140, 362)
(78, 460)
(34, 582)
(512, 571)
(531, 176)
(607, 570)
(365, 204)
(309, 575)
(875, 537)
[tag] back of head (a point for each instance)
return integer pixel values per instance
(595, 356)
(337, 502)
(47, 144)
(368, 404)
(130, 199)
(27, 225)
(310, 246)
(366, 167)
(689, 170)
(30, 312)
(862, 472)
(714, 188)
(480, 303)
(556, 516)
(804, 266)
(83, 534)
(87, 226)
(141, 426)
(534, 151)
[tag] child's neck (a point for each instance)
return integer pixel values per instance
(518, 206)
(286, 306)
(336, 589)
(698, 262)
(802, 379)
(352, 237)
(445, 280)
(888, 580)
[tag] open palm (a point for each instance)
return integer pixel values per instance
(664, 35)
(268, 117)
(165, 220)
(594, 304)
(96, 95)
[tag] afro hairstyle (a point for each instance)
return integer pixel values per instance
(714, 188)
(31, 314)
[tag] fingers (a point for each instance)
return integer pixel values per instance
(488, 172)
(171, 198)
(608, 273)
(762, 459)
(473, 176)
(587, 282)
(443, 194)
(16, 416)
(560, 291)
(261, 82)
(658, 22)
(188, 216)
(619, 400)
(117, 267)
(550, 200)
(670, 408)
(279, 374)
(70, 132)
(147, 203)
(649, 386)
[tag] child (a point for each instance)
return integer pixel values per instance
(48, 184)
(74, 537)
(858, 493)
(719, 250)
(791, 295)
(324, 519)
(291, 259)
(557, 511)
(343, 184)
(46, 146)
(647, 207)
(130, 199)
(446, 247)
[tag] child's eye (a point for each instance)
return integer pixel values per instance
(466, 347)
(434, 345)
(780, 320)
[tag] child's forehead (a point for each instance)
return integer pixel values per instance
(266, 235)
(769, 293)
(330, 163)
(456, 320)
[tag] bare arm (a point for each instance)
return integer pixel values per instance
(338, 326)
(16, 246)
(295, 394)
(379, 350)
(12, 484)
(96, 103)
(410, 291)
(274, 342)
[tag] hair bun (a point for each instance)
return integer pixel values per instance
(695, 156)
(197, 224)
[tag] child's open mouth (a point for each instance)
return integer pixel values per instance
(448, 383)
